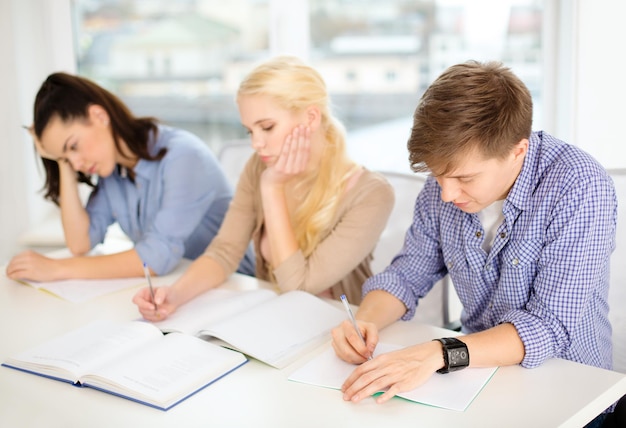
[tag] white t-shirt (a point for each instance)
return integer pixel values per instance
(491, 218)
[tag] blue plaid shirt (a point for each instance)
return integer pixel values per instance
(548, 270)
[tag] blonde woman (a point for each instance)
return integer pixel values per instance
(313, 215)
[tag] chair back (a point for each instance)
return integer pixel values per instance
(441, 306)
(233, 157)
(406, 188)
(617, 289)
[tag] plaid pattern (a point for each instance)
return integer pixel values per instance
(548, 270)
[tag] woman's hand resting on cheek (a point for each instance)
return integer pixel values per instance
(293, 158)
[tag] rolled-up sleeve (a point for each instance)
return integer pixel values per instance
(572, 270)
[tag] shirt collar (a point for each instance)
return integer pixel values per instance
(521, 193)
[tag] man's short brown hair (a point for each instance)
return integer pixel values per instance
(470, 106)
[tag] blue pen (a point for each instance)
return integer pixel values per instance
(147, 273)
(344, 300)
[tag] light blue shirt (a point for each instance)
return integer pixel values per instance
(174, 207)
(548, 270)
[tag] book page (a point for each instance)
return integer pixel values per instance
(73, 354)
(82, 290)
(280, 330)
(164, 372)
(453, 391)
(210, 307)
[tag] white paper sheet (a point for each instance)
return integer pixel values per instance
(453, 391)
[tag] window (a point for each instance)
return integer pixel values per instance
(418, 40)
(182, 61)
(179, 61)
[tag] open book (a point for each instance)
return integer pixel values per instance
(453, 391)
(133, 360)
(274, 329)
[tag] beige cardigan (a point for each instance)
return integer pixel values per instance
(341, 259)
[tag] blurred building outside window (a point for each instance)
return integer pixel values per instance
(181, 61)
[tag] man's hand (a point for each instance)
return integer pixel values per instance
(348, 344)
(394, 372)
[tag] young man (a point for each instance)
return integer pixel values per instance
(523, 223)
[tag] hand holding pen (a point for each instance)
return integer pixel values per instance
(344, 300)
(155, 303)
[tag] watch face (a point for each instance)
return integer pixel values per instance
(457, 357)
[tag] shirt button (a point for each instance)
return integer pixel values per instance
(479, 234)
(490, 305)
(488, 268)
(503, 235)
(515, 262)
(450, 264)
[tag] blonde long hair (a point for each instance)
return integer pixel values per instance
(295, 86)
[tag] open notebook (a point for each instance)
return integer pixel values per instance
(329, 371)
(274, 329)
(82, 290)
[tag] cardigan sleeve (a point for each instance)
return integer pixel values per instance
(229, 246)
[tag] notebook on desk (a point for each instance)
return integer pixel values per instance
(329, 371)
(274, 329)
(82, 290)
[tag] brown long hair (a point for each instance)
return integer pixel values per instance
(68, 97)
(471, 105)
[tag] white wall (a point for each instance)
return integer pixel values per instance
(35, 39)
(12, 179)
(599, 113)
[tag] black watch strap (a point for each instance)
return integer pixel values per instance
(455, 354)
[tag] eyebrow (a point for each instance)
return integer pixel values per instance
(255, 123)
(262, 120)
(465, 175)
(469, 175)
(65, 144)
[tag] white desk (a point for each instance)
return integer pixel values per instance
(558, 394)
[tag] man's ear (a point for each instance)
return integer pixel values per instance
(98, 115)
(520, 150)
(313, 117)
